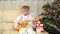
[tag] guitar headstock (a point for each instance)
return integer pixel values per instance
(37, 19)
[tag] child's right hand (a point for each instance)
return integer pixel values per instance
(20, 22)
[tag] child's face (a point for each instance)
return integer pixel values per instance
(25, 11)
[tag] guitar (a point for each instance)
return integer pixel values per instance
(25, 23)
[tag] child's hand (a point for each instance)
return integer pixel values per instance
(34, 21)
(20, 22)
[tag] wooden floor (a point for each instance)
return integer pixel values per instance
(42, 33)
(16, 32)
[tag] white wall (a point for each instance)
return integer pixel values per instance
(35, 5)
(16, 4)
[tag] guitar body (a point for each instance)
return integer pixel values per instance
(21, 26)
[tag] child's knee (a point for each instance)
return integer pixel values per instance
(22, 30)
(30, 31)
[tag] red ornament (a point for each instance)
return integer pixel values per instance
(46, 11)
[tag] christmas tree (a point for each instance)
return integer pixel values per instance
(51, 17)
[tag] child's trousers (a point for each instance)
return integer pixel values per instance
(26, 31)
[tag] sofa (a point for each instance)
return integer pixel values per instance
(7, 18)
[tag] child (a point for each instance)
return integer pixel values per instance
(25, 16)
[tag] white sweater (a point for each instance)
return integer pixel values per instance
(23, 18)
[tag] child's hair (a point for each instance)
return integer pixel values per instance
(25, 7)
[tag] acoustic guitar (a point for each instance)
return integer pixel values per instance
(25, 23)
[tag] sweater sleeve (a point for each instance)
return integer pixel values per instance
(15, 24)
